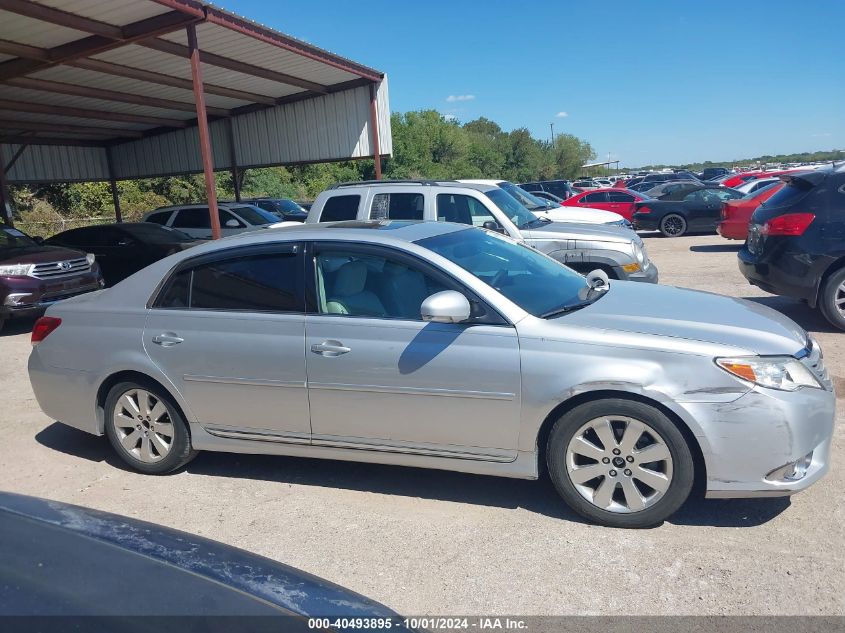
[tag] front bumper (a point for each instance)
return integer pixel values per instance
(750, 439)
(27, 296)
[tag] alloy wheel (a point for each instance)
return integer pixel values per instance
(673, 225)
(619, 464)
(143, 425)
(839, 299)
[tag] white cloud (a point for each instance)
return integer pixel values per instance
(822, 134)
(453, 98)
(562, 114)
(449, 117)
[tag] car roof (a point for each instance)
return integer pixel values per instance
(351, 230)
(369, 184)
(482, 181)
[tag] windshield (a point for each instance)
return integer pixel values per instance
(526, 199)
(536, 283)
(280, 206)
(518, 214)
(761, 190)
(255, 216)
(12, 238)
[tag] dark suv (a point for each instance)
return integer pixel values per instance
(560, 188)
(33, 276)
(796, 242)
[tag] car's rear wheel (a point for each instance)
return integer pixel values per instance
(832, 299)
(673, 225)
(146, 428)
(620, 463)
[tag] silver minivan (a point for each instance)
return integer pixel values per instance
(437, 345)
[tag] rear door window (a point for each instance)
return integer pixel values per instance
(160, 218)
(620, 196)
(397, 206)
(339, 208)
(597, 196)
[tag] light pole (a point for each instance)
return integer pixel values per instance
(552, 126)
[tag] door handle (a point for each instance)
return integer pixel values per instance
(330, 348)
(167, 339)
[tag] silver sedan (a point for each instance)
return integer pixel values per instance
(438, 345)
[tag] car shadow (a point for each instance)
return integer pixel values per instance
(805, 316)
(534, 496)
(716, 248)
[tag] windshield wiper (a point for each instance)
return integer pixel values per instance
(564, 309)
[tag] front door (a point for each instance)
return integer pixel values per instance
(381, 378)
(228, 330)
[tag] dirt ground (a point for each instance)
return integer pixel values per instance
(427, 542)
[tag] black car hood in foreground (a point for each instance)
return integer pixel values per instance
(63, 560)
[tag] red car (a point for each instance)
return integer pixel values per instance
(619, 201)
(737, 213)
(738, 179)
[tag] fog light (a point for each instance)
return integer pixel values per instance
(631, 268)
(793, 471)
(17, 299)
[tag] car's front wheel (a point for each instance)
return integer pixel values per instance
(620, 463)
(832, 299)
(673, 225)
(146, 429)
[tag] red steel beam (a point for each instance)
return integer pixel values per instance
(104, 36)
(204, 134)
(59, 87)
(49, 140)
(174, 48)
(62, 128)
(5, 196)
(374, 130)
(129, 72)
(263, 34)
(85, 113)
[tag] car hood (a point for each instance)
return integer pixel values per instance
(37, 254)
(692, 315)
(574, 230)
(586, 215)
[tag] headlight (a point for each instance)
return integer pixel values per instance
(639, 253)
(776, 372)
(90, 257)
(17, 270)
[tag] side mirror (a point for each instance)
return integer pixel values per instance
(233, 224)
(492, 226)
(445, 307)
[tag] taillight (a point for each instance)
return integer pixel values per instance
(43, 328)
(789, 224)
(643, 210)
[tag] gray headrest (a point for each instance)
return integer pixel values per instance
(350, 279)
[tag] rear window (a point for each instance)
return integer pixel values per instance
(397, 206)
(789, 195)
(339, 208)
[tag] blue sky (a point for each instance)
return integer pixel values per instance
(647, 81)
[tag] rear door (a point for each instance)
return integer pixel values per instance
(621, 203)
(595, 200)
(228, 330)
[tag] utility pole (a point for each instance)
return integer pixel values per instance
(552, 126)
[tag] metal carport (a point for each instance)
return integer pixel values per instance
(124, 89)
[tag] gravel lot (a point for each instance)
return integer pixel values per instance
(427, 542)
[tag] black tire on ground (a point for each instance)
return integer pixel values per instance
(682, 462)
(828, 296)
(180, 452)
(673, 225)
(2, 323)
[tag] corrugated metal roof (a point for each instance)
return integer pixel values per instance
(303, 127)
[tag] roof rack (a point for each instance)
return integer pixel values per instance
(409, 181)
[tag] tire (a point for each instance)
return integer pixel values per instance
(140, 419)
(832, 291)
(631, 501)
(673, 225)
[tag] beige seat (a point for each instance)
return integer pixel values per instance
(348, 294)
